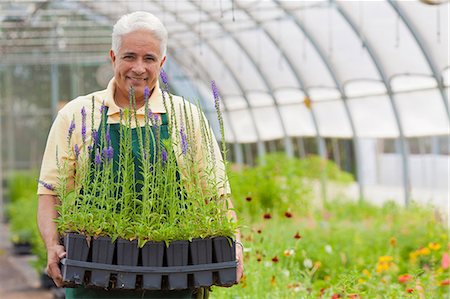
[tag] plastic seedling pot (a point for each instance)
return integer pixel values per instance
(152, 256)
(127, 255)
(77, 248)
(225, 251)
(177, 255)
(102, 252)
(201, 253)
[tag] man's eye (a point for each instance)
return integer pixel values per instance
(150, 58)
(127, 57)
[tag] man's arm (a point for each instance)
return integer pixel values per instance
(47, 227)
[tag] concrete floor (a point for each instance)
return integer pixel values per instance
(18, 280)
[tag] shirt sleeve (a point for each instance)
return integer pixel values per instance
(56, 153)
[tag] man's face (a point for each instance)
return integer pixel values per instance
(137, 64)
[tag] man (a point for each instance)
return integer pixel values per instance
(138, 53)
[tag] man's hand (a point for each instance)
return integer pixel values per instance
(54, 255)
(240, 261)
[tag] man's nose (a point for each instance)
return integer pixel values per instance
(139, 67)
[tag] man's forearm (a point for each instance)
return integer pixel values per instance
(45, 217)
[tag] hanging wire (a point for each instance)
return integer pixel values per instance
(330, 30)
(397, 31)
(232, 9)
(438, 24)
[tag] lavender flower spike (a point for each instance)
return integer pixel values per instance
(95, 136)
(215, 90)
(146, 93)
(184, 141)
(98, 158)
(76, 149)
(108, 136)
(47, 185)
(108, 153)
(164, 156)
(164, 79)
(83, 125)
(71, 129)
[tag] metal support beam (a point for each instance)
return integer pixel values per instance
(54, 74)
(380, 69)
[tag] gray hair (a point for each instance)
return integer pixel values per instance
(139, 20)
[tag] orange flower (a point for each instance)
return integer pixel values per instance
(336, 296)
(445, 282)
(404, 278)
(409, 290)
(258, 258)
(393, 241)
(272, 281)
(289, 252)
(354, 296)
(297, 236)
(434, 246)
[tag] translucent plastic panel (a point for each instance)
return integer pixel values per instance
(446, 77)
(244, 126)
(324, 94)
(407, 83)
(268, 122)
(289, 96)
(431, 24)
(228, 127)
(359, 88)
(340, 46)
(422, 113)
(259, 99)
(393, 44)
(235, 102)
(332, 119)
(298, 120)
(267, 58)
(237, 61)
(373, 117)
(303, 58)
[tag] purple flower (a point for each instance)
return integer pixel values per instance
(108, 136)
(163, 76)
(215, 91)
(108, 153)
(76, 149)
(102, 107)
(164, 156)
(146, 93)
(184, 141)
(98, 158)
(95, 136)
(83, 124)
(71, 129)
(47, 185)
(89, 148)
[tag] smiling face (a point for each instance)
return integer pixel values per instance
(137, 65)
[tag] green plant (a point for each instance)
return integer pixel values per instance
(22, 224)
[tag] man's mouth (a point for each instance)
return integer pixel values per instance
(137, 78)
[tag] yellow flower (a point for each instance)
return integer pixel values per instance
(434, 246)
(367, 273)
(289, 252)
(393, 241)
(424, 251)
(385, 258)
(361, 281)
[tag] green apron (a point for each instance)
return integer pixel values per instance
(81, 292)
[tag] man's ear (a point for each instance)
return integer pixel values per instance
(162, 62)
(112, 56)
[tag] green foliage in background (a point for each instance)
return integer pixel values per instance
(341, 249)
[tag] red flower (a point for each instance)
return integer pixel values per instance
(259, 231)
(335, 296)
(267, 216)
(288, 214)
(410, 290)
(275, 259)
(354, 296)
(404, 278)
(248, 198)
(297, 236)
(445, 282)
(258, 258)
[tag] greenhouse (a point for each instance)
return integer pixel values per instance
(332, 117)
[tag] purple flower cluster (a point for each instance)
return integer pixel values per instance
(215, 91)
(98, 158)
(108, 153)
(71, 129)
(95, 136)
(164, 79)
(102, 107)
(47, 185)
(83, 125)
(154, 118)
(164, 156)
(76, 149)
(184, 141)
(146, 93)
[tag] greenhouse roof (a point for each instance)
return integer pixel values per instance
(341, 69)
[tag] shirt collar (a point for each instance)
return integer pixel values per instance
(155, 102)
